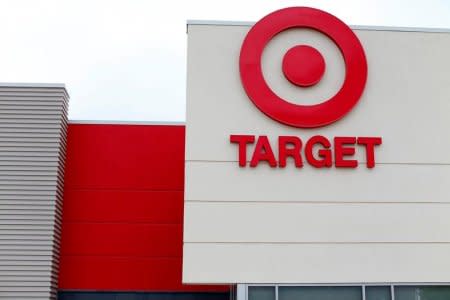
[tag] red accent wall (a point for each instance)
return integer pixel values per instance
(123, 209)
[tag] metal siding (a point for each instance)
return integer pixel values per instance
(33, 124)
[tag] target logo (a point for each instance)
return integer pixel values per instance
(303, 66)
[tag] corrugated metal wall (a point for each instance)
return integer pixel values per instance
(33, 125)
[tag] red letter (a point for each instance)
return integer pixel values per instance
(294, 152)
(242, 141)
(340, 151)
(263, 151)
(324, 153)
(370, 143)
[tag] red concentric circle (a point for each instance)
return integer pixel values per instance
(306, 116)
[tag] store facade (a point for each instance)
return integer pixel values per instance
(317, 163)
(314, 164)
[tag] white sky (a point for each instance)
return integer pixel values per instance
(125, 60)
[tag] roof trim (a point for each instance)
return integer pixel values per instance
(355, 27)
(32, 84)
(116, 122)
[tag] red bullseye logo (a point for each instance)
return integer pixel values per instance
(303, 66)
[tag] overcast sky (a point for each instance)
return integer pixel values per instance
(125, 60)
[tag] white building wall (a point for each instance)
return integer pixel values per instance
(265, 225)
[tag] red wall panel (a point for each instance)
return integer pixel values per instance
(123, 206)
(123, 209)
(126, 157)
(127, 273)
(123, 239)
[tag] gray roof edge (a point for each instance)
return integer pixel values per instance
(32, 84)
(117, 122)
(355, 27)
(38, 85)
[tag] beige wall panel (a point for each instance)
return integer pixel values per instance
(315, 263)
(256, 222)
(225, 181)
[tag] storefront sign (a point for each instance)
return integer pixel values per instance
(304, 67)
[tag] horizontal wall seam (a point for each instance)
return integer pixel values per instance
(360, 162)
(259, 202)
(318, 243)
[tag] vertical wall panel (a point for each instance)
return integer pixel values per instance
(123, 210)
(33, 124)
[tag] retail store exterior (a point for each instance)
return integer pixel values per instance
(314, 164)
